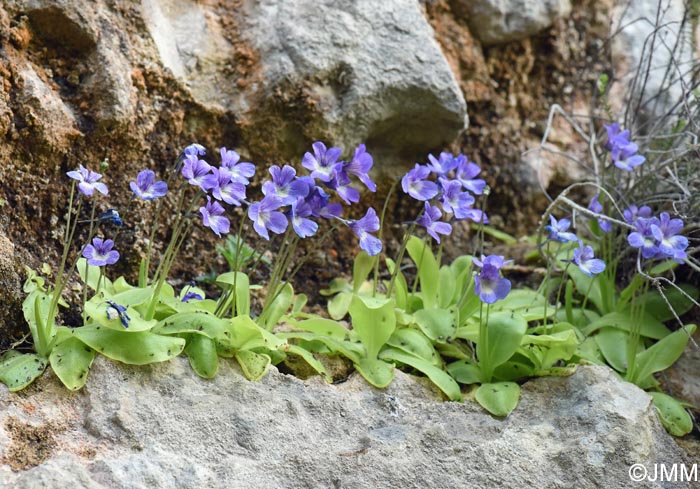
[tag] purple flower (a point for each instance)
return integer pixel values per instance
(299, 216)
(643, 237)
(240, 172)
(225, 189)
(88, 181)
(670, 244)
(195, 149)
(557, 230)
(198, 173)
(362, 229)
(488, 283)
(265, 215)
(284, 186)
(146, 188)
(583, 257)
(212, 217)
(454, 200)
(321, 206)
(622, 150)
(466, 171)
(111, 216)
(341, 185)
(442, 166)
(431, 221)
(360, 166)
(414, 183)
(191, 296)
(597, 207)
(323, 164)
(100, 253)
(632, 213)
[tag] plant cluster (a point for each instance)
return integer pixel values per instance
(460, 324)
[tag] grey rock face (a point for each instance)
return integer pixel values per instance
(369, 71)
(651, 37)
(163, 427)
(500, 21)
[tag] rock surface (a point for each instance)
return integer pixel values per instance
(501, 21)
(163, 427)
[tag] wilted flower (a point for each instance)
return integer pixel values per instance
(557, 230)
(212, 217)
(191, 296)
(100, 253)
(583, 257)
(111, 216)
(488, 283)
(362, 229)
(88, 181)
(115, 311)
(146, 188)
(431, 221)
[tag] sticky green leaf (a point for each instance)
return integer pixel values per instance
(499, 398)
(464, 372)
(428, 270)
(201, 352)
(648, 325)
(414, 342)
(338, 306)
(362, 265)
(321, 326)
(89, 274)
(613, 345)
(254, 365)
(71, 360)
(134, 348)
(279, 306)
(309, 359)
(374, 321)
(672, 414)
(18, 370)
(377, 372)
(438, 324)
(661, 354)
(505, 333)
(438, 376)
(200, 322)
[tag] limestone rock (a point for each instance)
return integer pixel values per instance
(501, 21)
(351, 72)
(163, 427)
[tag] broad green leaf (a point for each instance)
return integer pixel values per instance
(90, 274)
(97, 309)
(18, 370)
(321, 326)
(583, 285)
(656, 306)
(464, 372)
(374, 321)
(71, 360)
(352, 351)
(499, 398)
(514, 370)
(589, 352)
(133, 297)
(336, 285)
(428, 270)
(662, 354)
(361, 267)
(202, 323)
(376, 372)
(613, 345)
(245, 334)
(504, 333)
(299, 303)
(278, 307)
(672, 414)
(400, 286)
(447, 288)
(338, 306)
(437, 324)
(413, 342)
(201, 352)
(437, 375)
(648, 326)
(240, 281)
(254, 365)
(530, 304)
(134, 348)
